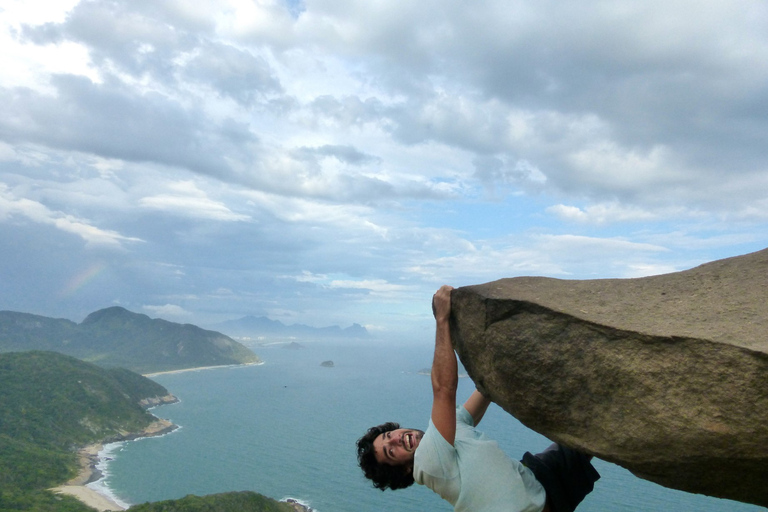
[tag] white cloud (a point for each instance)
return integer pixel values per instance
(28, 65)
(594, 244)
(167, 310)
(7, 152)
(624, 171)
(375, 286)
(187, 200)
(11, 206)
(606, 213)
(353, 219)
(564, 256)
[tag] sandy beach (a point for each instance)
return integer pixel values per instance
(201, 368)
(88, 457)
(89, 497)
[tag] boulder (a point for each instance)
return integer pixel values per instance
(666, 375)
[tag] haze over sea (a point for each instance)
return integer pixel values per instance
(287, 428)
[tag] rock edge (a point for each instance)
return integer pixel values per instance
(666, 376)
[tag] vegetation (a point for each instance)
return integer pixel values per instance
(116, 337)
(49, 405)
(40, 501)
(58, 401)
(245, 501)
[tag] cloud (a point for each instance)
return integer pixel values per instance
(188, 200)
(501, 90)
(604, 213)
(167, 310)
(12, 207)
(564, 256)
(372, 286)
(382, 147)
(111, 121)
(231, 72)
(647, 82)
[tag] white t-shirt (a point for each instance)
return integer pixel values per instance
(475, 475)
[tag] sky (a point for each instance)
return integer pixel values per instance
(329, 162)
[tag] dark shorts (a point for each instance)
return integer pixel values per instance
(566, 475)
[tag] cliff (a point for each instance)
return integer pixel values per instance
(666, 376)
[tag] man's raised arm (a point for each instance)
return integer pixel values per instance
(445, 370)
(476, 405)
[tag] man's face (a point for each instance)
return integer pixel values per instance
(397, 447)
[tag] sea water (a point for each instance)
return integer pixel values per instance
(287, 428)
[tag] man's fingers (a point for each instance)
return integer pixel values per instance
(441, 301)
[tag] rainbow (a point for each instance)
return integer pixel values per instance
(79, 280)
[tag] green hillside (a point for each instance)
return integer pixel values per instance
(245, 501)
(50, 404)
(117, 337)
(55, 400)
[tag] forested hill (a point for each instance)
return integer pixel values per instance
(55, 400)
(50, 404)
(117, 337)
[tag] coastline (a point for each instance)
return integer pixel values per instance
(89, 458)
(196, 368)
(297, 505)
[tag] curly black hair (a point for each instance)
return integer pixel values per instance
(383, 476)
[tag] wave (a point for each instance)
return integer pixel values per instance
(108, 453)
(302, 503)
(105, 455)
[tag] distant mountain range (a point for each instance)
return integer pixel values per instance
(117, 337)
(253, 327)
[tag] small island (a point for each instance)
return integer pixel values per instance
(327, 364)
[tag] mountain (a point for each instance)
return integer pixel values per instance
(252, 327)
(56, 400)
(117, 337)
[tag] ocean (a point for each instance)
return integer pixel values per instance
(287, 428)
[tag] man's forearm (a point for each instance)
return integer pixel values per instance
(445, 370)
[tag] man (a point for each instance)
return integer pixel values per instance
(462, 465)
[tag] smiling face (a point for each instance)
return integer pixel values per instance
(396, 447)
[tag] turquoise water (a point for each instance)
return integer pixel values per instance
(287, 428)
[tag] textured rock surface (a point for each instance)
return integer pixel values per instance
(666, 376)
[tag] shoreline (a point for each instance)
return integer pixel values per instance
(88, 458)
(297, 504)
(196, 368)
